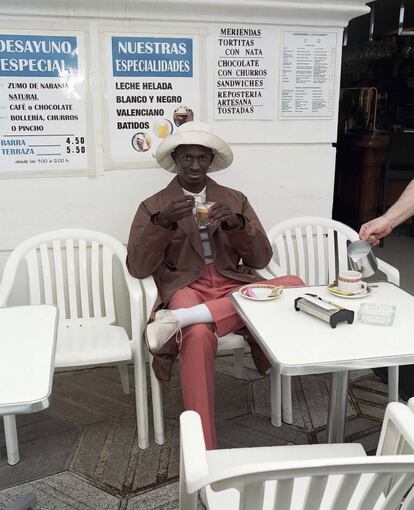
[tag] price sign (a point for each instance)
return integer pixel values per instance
(42, 103)
(75, 145)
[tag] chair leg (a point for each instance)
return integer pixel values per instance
(287, 415)
(140, 380)
(157, 407)
(10, 432)
(238, 363)
(186, 501)
(275, 396)
(393, 384)
(123, 373)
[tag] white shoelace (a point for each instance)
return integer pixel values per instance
(179, 338)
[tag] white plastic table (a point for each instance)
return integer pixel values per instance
(297, 343)
(27, 352)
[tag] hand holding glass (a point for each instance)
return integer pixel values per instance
(202, 213)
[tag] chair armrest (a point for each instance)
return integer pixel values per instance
(150, 294)
(7, 280)
(264, 273)
(272, 270)
(390, 271)
(136, 303)
(193, 451)
(397, 430)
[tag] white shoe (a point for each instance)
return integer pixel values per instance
(161, 330)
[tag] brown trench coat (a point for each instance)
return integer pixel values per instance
(175, 257)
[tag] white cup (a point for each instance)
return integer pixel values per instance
(351, 281)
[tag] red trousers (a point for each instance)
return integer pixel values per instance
(199, 342)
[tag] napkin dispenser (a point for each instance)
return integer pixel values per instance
(324, 310)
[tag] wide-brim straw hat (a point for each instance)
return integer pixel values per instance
(194, 133)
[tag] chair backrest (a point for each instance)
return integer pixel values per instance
(72, 268)
(386, 479)
(313, 248)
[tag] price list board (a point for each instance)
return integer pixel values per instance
(245, 72)
(152, 87)
(42, 103)
(308, 74)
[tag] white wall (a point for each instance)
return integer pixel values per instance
(286, 169)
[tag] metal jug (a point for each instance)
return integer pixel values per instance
(361, 258)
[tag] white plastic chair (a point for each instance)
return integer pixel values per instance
(315, 249)
(233, 342)
(311, 477)
(73, 268)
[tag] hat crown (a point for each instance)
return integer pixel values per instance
(194, 133)
(194, 125)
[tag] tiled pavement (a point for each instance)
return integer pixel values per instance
(82, 452)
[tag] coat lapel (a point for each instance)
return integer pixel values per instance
(213, 194)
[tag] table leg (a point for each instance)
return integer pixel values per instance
(10, 432)
(393, 384)
(287, 414)
(276, 396)
(337, 406)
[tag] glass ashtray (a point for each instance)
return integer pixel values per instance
(375, 313)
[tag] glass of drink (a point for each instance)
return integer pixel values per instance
(202, 213)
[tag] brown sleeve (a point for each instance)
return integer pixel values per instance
(146, 245)
(251, 240)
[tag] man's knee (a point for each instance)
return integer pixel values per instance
(200, 336)
(184, 298)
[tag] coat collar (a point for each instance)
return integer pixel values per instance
(213, 189)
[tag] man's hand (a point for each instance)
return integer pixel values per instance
(175, 211)
(222, 213)
(375, 230)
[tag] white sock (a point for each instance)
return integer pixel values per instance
(193, 315)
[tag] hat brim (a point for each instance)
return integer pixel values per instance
(223, 155)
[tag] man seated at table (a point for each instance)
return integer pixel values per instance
(196, 268)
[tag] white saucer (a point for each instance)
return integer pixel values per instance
(261, 291)
(333, 289)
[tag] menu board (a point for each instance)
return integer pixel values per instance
(308, 74)
(245, 71)
(152, 88)
(42, 103)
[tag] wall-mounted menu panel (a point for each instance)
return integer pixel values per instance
(245, 72)
(43, 87)
(152, 87)
(308, 74)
